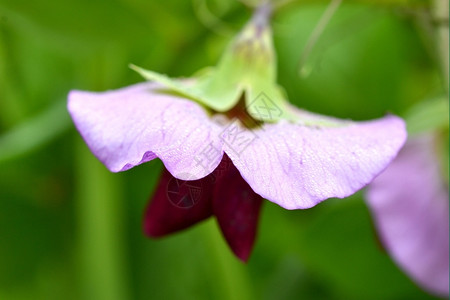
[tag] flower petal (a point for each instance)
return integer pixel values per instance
(410, 205)
(298, 166)
(130, 126)
(177, 204)
(236, 207)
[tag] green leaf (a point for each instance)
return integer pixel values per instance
(35, 132)
(427, 116)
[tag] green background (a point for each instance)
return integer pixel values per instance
(69, 229)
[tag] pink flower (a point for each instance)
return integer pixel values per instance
(409, 202)
(231, 134)
(291, 163)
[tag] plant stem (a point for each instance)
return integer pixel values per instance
(262, 14)
(317, 32)
(102, 270)
(440, 16)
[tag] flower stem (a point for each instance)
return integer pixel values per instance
(317, 32)
(262, 14)
(440, 16)
(100, 230)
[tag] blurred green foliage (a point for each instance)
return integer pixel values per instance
(71, 230)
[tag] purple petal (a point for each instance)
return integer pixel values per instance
(130, 126)
(298, 166)
(410, 205)
(236, 207)
(177, 204)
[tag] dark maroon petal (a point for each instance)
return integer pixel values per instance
(236, 207)
(177, 204)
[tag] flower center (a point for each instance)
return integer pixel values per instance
(240, 112)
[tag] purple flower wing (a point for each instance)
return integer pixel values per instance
(409, 202)
(177, 204)
(237, 208)
(297, 165)
(133, 125)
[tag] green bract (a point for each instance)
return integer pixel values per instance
(248, 67)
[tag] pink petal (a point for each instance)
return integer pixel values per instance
(177, 204)
(130, 126)
(298, 166)
(410, 205)
(236, 207)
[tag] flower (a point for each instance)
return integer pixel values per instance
(289, 163)
(237, 114)
(409, 202)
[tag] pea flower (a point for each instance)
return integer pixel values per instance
(228, 138)
(409, 202)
